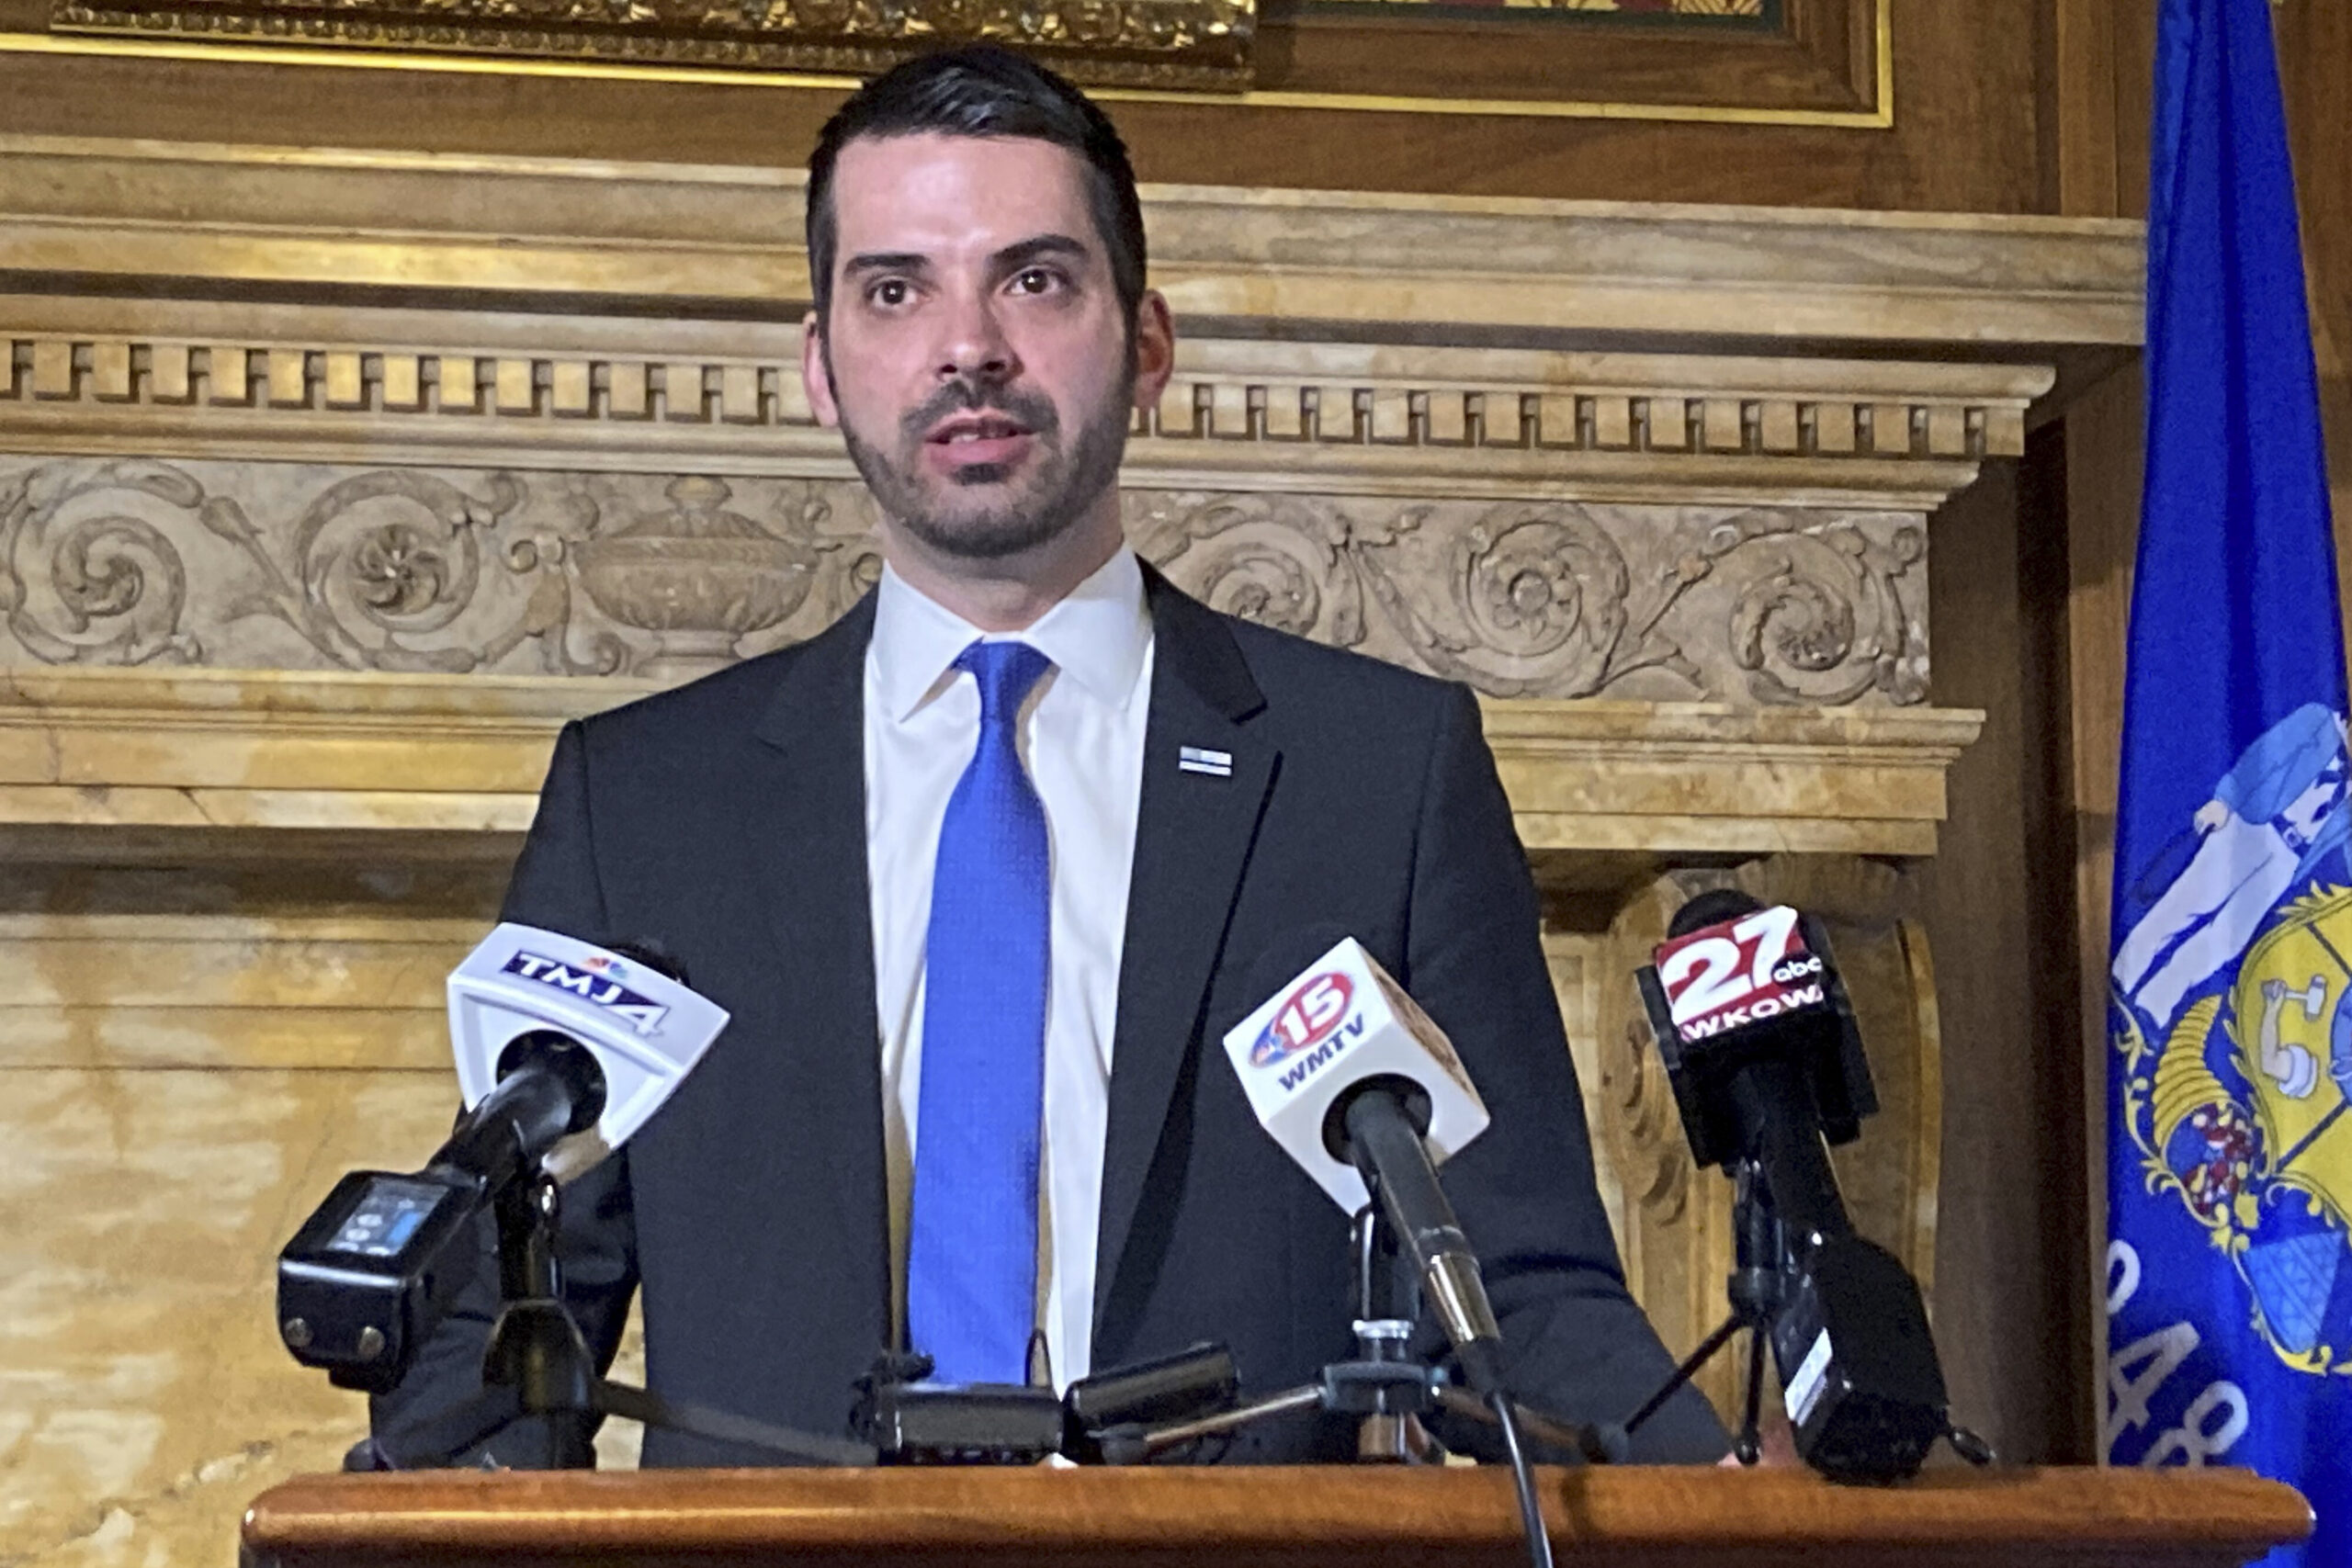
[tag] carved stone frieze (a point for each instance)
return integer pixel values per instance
(1523, 598)
(131, 561)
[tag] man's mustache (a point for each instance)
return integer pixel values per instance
(969, 394)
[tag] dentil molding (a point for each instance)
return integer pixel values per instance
(272, 303)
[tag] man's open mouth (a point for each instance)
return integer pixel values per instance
(972, 428)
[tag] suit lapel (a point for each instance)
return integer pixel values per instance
(1193, 833)
(811, 785)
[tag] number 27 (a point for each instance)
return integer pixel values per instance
(1708, 974)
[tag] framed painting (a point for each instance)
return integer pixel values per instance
(1184, 44)
(1821, 62)
(1788, 62)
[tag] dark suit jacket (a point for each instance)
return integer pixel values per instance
(726, 821)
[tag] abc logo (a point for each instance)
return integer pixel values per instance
(1795, 968)
(1306, 1018)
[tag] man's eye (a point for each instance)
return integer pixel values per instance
(890, 291)
(1036, 281)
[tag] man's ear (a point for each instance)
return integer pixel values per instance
(815, 379)
(1155, 348)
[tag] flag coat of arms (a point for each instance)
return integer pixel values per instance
(2229, 1108)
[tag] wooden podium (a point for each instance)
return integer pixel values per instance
(1347, 1518)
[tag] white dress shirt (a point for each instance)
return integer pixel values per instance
(1080, 737)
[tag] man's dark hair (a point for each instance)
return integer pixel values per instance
(983, 90)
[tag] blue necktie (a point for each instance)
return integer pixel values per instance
(972, 1242)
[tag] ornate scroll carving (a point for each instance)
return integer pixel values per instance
(1149, 44)
(1292, 563)
(452, 570)
(1783, 606)
(1833, 609)
(404, 570)
(86, 575)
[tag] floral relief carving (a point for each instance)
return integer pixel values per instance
(380, 560)
(1289, 562)
(1544, 599)
(1551, 599)
(86, 575)
(1829, 604)
(672, 576)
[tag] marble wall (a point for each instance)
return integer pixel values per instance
(188, 1059)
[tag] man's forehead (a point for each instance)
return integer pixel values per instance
(930, 191)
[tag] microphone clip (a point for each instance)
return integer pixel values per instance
(1384, 1387)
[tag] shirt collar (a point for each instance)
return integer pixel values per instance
(1098, 634)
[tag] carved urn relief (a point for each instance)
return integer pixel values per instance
(699, 578)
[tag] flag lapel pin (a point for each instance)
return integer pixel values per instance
(1201, 759)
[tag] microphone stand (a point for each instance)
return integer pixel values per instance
(1388, 1298)
(1754, 1290)
(1382, 1386)
(537, 1364)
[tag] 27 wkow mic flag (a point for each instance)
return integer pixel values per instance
(2229, 1278)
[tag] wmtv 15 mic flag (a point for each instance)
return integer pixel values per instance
(1337, 1024)
(1361, 1088)
(1350, 1075)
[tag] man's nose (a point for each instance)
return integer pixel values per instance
(975, 345)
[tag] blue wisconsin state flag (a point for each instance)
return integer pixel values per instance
(2230, 1130)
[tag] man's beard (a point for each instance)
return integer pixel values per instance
(1063, 484)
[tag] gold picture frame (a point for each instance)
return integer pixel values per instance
(1181, 44)
(1830, 64)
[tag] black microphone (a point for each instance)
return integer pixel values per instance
(1760, 1045)
(564, 1048)
(1383, 1138)
(1354, 1080)
(550, 1085)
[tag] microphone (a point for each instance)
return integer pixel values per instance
(1364, 1092)
(603, 1036)
(564, 1050)
(1760, 1045)
(1767, 1065)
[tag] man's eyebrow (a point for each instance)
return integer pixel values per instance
(886, 261)
(1021, 253)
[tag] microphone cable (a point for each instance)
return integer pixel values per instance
(1522, 1474)
(1482, 1367)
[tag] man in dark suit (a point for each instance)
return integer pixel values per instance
(985, 872)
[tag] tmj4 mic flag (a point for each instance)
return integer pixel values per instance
(2229, 1277)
